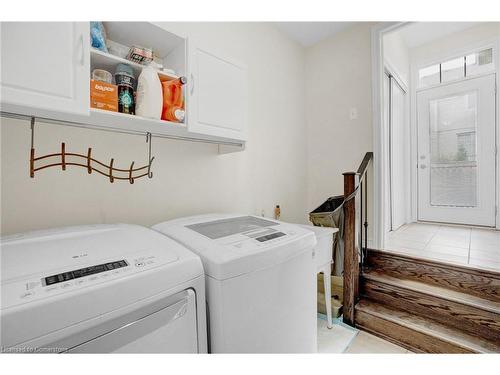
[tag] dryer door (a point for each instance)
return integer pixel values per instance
(169, 330)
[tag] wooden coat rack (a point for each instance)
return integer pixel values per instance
(88, 162)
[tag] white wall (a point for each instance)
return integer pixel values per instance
(397, 56)
(443, 47)
(338, 78)
(189, 178)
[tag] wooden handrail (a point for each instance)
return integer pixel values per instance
(364, 164)
(353, 181)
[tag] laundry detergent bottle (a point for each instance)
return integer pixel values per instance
(173, 100)
(149, 93)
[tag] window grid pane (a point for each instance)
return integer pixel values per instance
(475, 63)
(479, 62)
(429, 76)
(452, 70)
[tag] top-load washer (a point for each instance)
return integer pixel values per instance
(101, 289)
(260, 281)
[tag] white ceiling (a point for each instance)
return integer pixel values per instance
(309, 33)
(419, 33)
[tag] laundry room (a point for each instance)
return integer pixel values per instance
(218, 186)
(191, 178)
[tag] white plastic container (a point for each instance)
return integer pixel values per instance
(149, 101)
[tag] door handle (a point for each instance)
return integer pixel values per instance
(192, 84)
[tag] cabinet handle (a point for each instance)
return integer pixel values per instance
(192, 84)
(82, 51)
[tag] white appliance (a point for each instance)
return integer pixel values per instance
(260, 281)
(101, 289)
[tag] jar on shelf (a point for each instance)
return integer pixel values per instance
(125, 80)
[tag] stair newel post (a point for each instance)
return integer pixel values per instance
(351, 259)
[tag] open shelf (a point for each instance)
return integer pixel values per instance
(126, 122)
(107, 61)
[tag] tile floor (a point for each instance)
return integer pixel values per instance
(455, 244)
(344, 339)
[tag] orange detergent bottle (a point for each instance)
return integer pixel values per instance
(173, 100)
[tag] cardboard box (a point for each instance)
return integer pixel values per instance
(103, 95)
(337, 307)
(337, 287)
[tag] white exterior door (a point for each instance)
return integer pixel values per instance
(45, 65)
(456, 152)
(217, 94)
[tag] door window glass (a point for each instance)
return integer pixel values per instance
(452, 70)
(429, 76)
(453, 123)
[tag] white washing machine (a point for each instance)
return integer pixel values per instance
(260, 281)
(101, 289)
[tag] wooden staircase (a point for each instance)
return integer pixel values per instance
(428, 306)
(425, 306)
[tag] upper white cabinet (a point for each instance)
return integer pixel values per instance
(45, 66)
(217, 92)
(46, 70)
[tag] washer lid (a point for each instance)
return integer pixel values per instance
(232, 245)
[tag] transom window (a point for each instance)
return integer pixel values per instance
(472, 64)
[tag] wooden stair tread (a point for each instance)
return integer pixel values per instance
(428, 327)
(435, 262)
(441, 292)
(478, 282)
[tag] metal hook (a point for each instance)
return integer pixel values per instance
(88, 161)
(32, 150)
(130, 178)
(32, 131)
(149, 139)
(150, 174)
(63, 156)
(111, 178)
(89, 166)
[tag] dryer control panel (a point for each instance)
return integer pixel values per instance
(46, 285)
(82, 272)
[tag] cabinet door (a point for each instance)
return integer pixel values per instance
(45, 66)
(217, 94)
